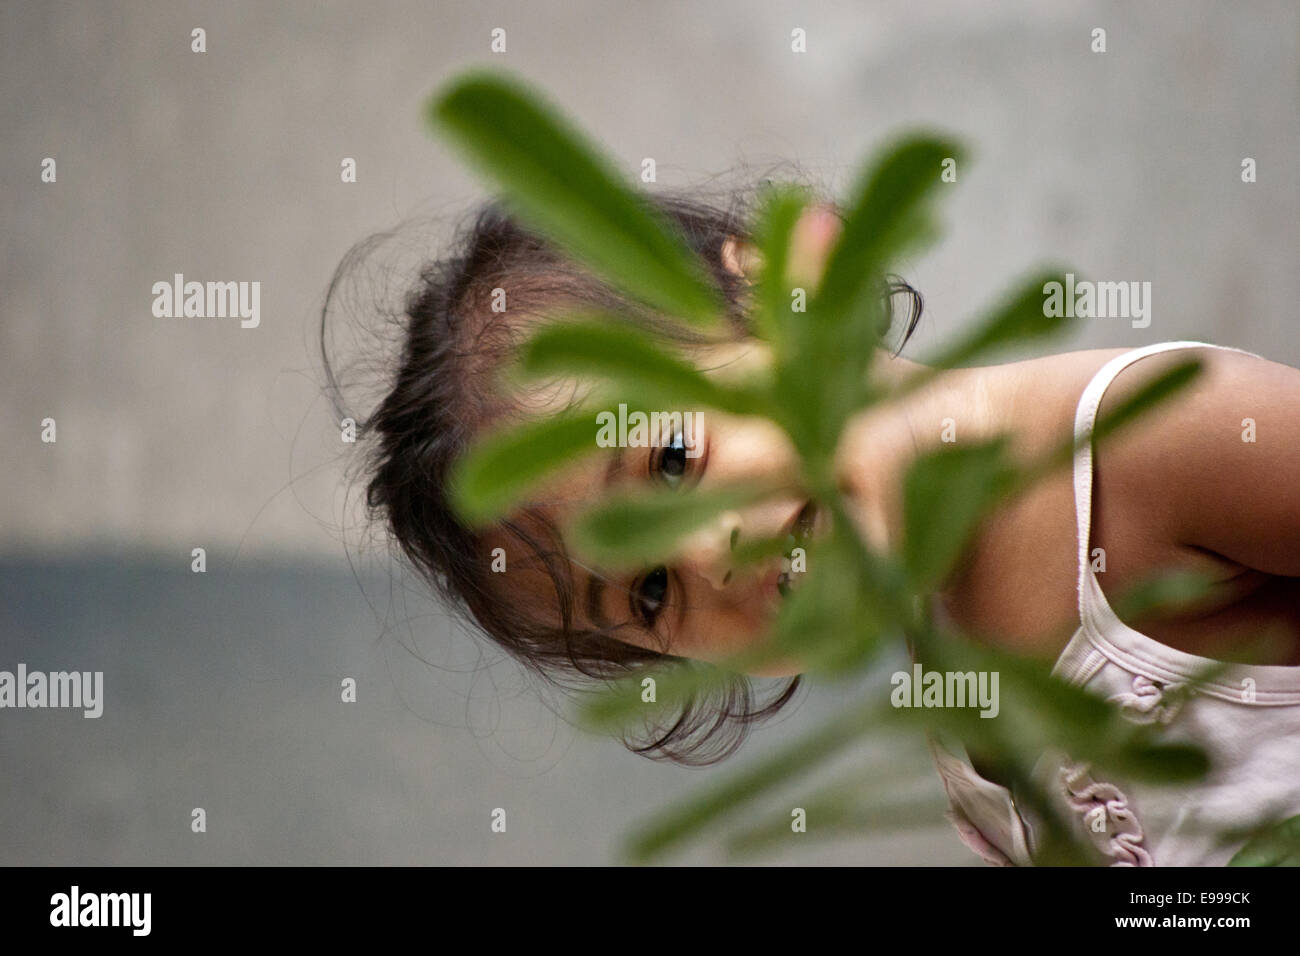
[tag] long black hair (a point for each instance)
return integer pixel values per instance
(442, 393)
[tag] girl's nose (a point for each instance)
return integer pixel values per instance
(709, 550)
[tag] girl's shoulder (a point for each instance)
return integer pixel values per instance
(1218, 463)
(1184, 487)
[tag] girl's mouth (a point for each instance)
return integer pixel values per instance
(797, 535)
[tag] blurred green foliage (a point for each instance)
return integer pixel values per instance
(854, 602)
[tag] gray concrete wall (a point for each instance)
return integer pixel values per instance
(225, 165)
(176, 433)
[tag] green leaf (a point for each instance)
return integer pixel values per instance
(502, 467)
(887, 217)
(633, 359)
(895, 792)
(834, 622)
(1279, 845)
(758, 549)
(1159, 762)
(779, 210)
(1020, 317)
(1040, 712)
(678, 823)
(618, 704)
(803, 397)
(885, 210)
(945, 494)
(841, 820)
(561, 184)
(1160, 388)
(638, 530)
(1026, 686)
(1162, 593)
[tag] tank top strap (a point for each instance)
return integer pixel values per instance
(1085, 419)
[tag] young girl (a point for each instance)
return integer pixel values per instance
(1209, 481)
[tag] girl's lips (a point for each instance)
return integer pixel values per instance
(801, 525)
(798, 532)
(777, 582)
(772, 594)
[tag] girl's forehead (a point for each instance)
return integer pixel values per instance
(585, 482)
(530, 578)
(576, 486)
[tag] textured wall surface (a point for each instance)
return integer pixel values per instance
(177, 433)
(225, 166)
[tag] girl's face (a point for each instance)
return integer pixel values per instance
(701, 605)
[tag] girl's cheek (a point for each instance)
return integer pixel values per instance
(712, 634)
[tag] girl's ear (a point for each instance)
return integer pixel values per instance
(739, 257)
(814, 236)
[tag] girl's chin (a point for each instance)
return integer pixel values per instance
(768, 665)
(781, 668)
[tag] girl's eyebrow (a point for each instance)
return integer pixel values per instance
(594, 585)
(595, 590)
(617, 462)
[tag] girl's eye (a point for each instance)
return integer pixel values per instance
(669, 464)
(649, 596)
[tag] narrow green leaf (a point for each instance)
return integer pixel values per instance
(1279, 845)
(1039, 712)
(1160, 388)
(676, 824)
(638, 530)
(562, 185)
(1152, 393)
(616, 706)
(836, 820)
(501, 468)
(832, 623)
(1162, 593)
(1020, 317)
(1160, 762)
(778, 213)
(756, 550)
(895, 791)
(887, 218)
(945, 494)
(633, 359)
(884, 210)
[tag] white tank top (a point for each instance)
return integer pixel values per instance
(1247, 719)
